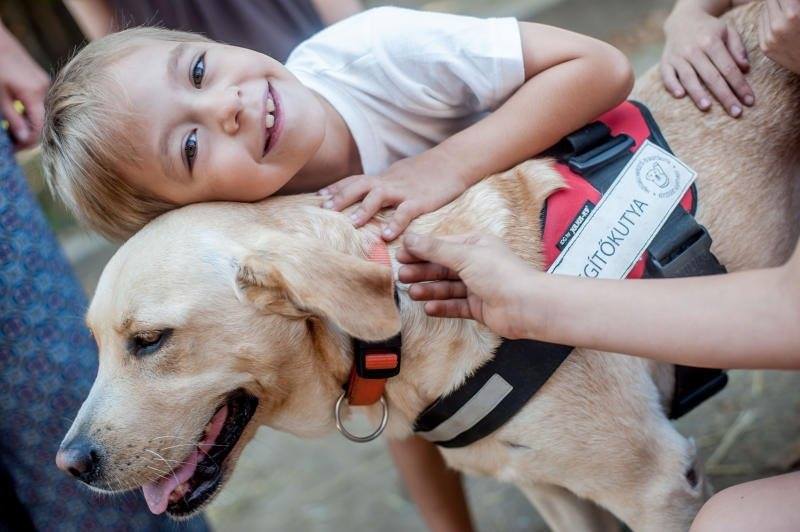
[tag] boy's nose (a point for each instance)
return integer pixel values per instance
(229, 108)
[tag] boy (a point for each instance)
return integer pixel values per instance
(414, 107)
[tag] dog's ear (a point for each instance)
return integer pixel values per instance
(301, 278)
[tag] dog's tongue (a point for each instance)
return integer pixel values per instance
(157, 493)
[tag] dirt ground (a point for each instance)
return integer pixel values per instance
(750, 430)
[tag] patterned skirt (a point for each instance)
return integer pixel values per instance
(47, 365)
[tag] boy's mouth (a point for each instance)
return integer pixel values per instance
(272, 118)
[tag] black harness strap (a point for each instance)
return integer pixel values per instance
(502, 386)
(518, 378)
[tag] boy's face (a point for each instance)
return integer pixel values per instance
(220, 122)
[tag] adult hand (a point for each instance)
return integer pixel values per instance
(473, 277)
(701, 54)
(779, 32)
(24, 80)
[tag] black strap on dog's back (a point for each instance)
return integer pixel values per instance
(492, 395)
(519, 368)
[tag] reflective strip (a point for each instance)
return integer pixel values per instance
(478, 407)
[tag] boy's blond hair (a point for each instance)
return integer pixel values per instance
(89, 134)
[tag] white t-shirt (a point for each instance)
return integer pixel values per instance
(404, 80)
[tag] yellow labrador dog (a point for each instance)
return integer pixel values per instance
(216, 319)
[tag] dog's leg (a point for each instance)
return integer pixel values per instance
(563, 511)
(615, 447)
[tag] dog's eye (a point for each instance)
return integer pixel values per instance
(148, 342)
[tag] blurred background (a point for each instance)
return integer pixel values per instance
(750, 430)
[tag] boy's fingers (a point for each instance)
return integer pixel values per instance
(692, 84)
(453, 308)
(670, 79)
(333, 188)
(737, 48)
(425, 271)
(438, 290)
(375, 200)
(405, 212)
(347, 191)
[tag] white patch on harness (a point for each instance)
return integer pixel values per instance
(628, 217)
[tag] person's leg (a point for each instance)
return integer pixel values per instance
(434, 488)
(769, 504)
(563, 511)
(47, 364)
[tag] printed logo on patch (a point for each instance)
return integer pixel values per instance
(659, 176)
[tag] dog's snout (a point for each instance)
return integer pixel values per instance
(80, 458)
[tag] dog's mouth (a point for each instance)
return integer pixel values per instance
(201, 473)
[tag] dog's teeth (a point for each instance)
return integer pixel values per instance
(270, 105)
(179, 491)
(270, 121)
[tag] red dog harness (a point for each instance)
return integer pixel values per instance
(590, 159)
(567, 208)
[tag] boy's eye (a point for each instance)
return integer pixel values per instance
(198, 71)
(190, 148)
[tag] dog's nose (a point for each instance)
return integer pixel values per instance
(80, 458)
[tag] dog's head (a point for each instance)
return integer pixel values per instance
(206, 331)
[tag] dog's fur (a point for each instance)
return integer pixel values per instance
(265, 297)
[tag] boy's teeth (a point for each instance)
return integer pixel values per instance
(270, 105)
(270, 121)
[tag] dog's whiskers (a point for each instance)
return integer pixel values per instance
(192, 445)
(161, 474)
(171, 470)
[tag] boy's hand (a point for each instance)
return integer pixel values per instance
(474, 277)
(415, 186)
(702, 52)
(779, 33)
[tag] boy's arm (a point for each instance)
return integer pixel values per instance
(570, 79)
(435, 489)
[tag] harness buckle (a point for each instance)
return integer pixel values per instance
(609, 151)
(377, 360)
(687, 259)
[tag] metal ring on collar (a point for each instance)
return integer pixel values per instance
(352, 437)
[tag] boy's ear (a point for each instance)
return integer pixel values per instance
(301, 278)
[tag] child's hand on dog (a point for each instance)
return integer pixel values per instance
(703, 53)
(416, 185)
(474, 277)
